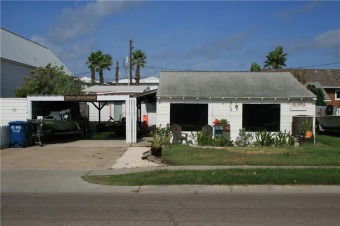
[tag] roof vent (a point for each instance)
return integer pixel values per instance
(337, 77)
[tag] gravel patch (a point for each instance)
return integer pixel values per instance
(132, 158)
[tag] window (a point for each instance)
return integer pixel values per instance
(191, 117)
(257, 117)
(337, 94)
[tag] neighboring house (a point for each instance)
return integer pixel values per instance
(250, 100)
(329, 80)
(152, 82)
(116, 109)
(19, 57)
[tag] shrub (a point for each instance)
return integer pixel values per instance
(161, 136)
(264, 138)
(223, 141)
(283, 139)
(204, 138)
(244, 139)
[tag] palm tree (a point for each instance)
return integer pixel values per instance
(98, 61)
(138, 60)
(276, 59)
(91, 61)
(104, 62)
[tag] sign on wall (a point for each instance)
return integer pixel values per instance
(80, 98)
(298, 106)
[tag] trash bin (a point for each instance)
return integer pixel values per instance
(18, 134)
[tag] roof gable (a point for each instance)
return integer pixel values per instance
(231, 85)
(24, 51)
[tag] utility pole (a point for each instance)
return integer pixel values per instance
(131, 47)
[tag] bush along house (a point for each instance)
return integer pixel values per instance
(253, 101)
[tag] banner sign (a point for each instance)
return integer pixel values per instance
(80, 98)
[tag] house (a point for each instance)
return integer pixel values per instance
(19, 57)
(152, 82)
(250, 100)
(330, 82)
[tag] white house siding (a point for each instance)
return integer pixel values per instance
(226, 109)
(287, 113)
(13, 109)
(149, 110)
(12, 77)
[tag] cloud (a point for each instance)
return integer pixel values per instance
(83, 19)
(289, 14)
(72, 54)
(214, 50)
(328, 39)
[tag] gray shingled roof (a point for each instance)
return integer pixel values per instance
(326, 77)
(24, 51)
(231, 85)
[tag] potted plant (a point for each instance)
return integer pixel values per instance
(160, 138)
(224, 123)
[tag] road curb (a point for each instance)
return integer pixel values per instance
(242, 189)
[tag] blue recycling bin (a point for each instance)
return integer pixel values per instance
(19, 134)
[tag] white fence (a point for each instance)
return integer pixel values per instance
(5, 136)
(12, 109)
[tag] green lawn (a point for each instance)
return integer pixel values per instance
(223, 177)
(325, 153)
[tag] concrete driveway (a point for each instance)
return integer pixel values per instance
(70, 155)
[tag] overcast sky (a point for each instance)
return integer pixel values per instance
(191, 35)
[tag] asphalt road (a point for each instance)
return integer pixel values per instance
(169, 209)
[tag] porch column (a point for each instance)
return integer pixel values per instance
(131, 120)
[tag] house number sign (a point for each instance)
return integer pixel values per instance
(298, 106)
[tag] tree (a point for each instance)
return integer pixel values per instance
(320, 101)
(276, 59)
(255, 67)
(49, 81)
(92, 62)
(138, 60)
(104, 62)
(99, 62)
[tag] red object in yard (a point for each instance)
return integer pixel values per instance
(146, 119)
(216, 122)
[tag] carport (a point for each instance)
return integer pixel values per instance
(99, 101)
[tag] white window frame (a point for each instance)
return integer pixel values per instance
(335, 96)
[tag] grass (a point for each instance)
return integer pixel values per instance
(325, 153)
(322, 176)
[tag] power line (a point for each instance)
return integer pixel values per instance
(176, 69)
(318, 65)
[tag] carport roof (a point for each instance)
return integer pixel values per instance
(231, 85)
(126, 90)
